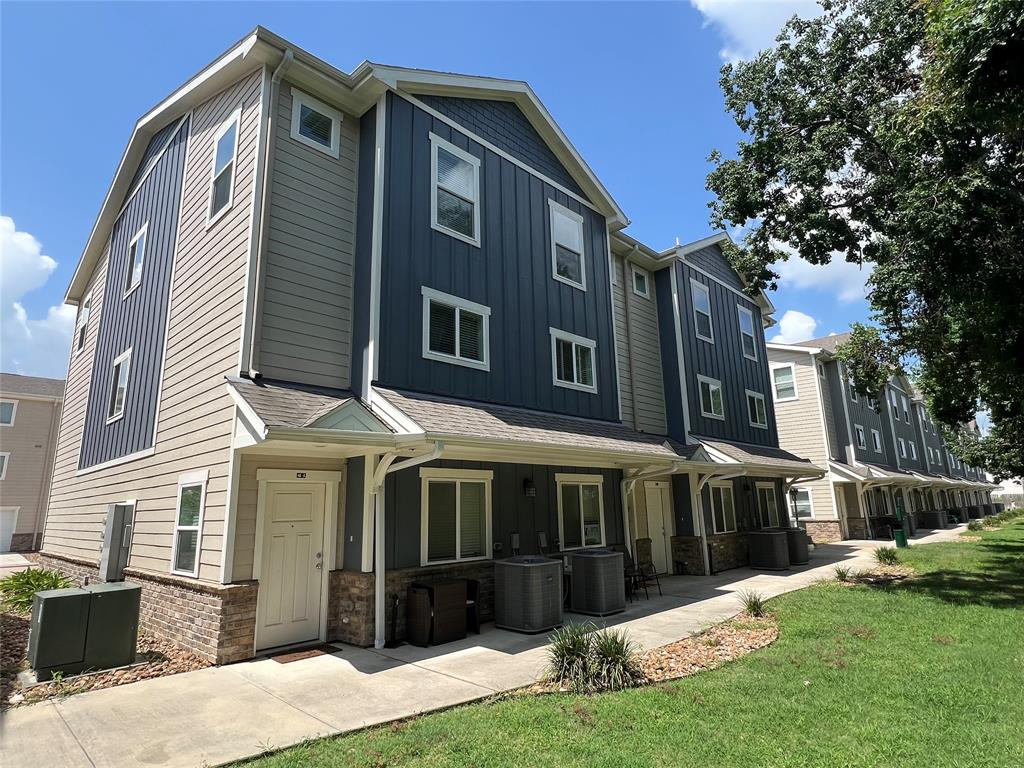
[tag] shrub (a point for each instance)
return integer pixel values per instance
(16, 590)
(843, 573)
(585, 659)
(975, 525)
(887, 556)
(754, 603)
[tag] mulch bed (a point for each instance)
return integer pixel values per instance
(159, 658)
(712, 648)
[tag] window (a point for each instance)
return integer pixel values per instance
(821, 370)
(455, 191)
(5, 459)
(913, 451)
(711, 404)
(136, 258)
(567, 258)
(455, 506)
(225, 147)
(82, 324)
(118, 386)
(756, 410)
(747, 339)
(580, 511)
(872, 403)
(876, 440)
(723, 512)
(315, 124)
(8, 410)
(455, 330)
(903, 447)
(702, 311)
(860, 436)
(784, 380)
(641, 282)
(572, 360)
(928, 453)
(188, 524)
(802, 504)
(893, 399)
(853, 390)
(767, 505)
(906, 408)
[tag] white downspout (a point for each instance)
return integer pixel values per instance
(386, 466)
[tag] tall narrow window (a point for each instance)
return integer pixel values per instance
(784, 381)
(859, 430)
(136, 259)
(572, 360)
(82, 324)
(876, 440)
(702, 311)
(767, 505)
(118, 386)
(225, 147)
(455, 191)
(756, 410)
(903, 447)
(711, 404)
(906, 408)
(723, 511)
(315, 124)
(455, 330)
(913, 451)
(188, 523)
(8, 410)
(455, 515)
(5, 459)
(853, 390)
(567, 253)
(747, 338)
(580, 511)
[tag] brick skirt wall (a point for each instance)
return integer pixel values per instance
(823, 531)
(687, 555)
(728, 550)
(858, 527)
(25, 542)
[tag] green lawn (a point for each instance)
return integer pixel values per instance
(929, 672)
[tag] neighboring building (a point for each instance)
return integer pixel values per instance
(29, 417)
(341, 332)
(883, 453)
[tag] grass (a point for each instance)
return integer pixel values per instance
(924, 672)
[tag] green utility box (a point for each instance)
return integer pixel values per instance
(113, 625)
(56, 638)
(899, 535)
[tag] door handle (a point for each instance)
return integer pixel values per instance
(319, 565)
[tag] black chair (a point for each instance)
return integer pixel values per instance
(648, 571)
(472, 605)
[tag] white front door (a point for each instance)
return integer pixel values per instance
(292, 564)
(8, 519)
(659, 509)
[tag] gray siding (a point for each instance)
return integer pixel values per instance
(510, 273)
(352, 522)
(931, 439)
(156, 145)
(364, 250)
(862, 414)
(669, 358)
(908, 431)
(138, 320)
(506, 127)
(511, 510)
(306, 327)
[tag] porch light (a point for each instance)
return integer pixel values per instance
(529, 489)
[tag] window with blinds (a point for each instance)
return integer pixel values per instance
(315, 124)
(455, 330)
(456, 516)
(580, 511)
(784, 381)
(455, 191)
(572, 360)
(567, 251)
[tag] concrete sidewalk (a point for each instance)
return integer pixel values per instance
(223, 714)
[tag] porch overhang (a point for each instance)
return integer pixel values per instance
(760, 461)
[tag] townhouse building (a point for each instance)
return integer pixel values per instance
(340, 332)
(29, 416)
(883, 453)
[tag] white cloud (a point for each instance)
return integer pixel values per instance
(32, 346)
(793, 327)
(847, 281)
(749, 26)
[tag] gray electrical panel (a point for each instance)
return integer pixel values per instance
(113, 625)
(56, 638)
(117, 542)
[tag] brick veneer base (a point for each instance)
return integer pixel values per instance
(823, 531)
(858, 527)
(215, 621)
(687, 555)
(728, 550)
(25, 542)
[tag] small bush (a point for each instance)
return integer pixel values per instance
(975, 525)
(887, 556)
(16, 590)
(586, 660)
(614, 661)
(754, 603)
(843, 573)
(569, 656)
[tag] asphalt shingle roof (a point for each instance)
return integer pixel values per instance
(16, 384)
(765, 455)
(283, 404)
(828, 343)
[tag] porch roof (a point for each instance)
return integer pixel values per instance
(769, 458)
(284, 404)
(458, 420)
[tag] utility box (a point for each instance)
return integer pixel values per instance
(56, 639)
(117, 541)
(113, 625)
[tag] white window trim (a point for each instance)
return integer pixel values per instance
(810, 503)
(913, 450)
(189, 480)
(554, 209)
(7, 462)
(853, 391)
(633, 272)
(859, 432)
(701, 379)
(563, 478)
(435, 142)
(429, 294)
(14, 411)
(125, 357)
(906, 408)
(83, 323)
(299, 99)
(129, 289)
(775, 388)
(741, 310)
(902, 447)
(757, 494)
(711, 496)
(213, 218)
(757, 396)
(582, 341)
(821, 370)
(698, 287)
(443, 474)
(876, 440)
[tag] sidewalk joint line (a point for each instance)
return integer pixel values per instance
(74, 735)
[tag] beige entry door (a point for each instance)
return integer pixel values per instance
(291, 565)
(659, 512)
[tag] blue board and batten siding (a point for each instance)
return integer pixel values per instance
(138, 320)
(511, 273)
(364, 251)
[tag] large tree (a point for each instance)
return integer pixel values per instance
(891, 132)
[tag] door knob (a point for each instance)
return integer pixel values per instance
(319, 565)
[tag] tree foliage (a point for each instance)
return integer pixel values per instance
(891, 132)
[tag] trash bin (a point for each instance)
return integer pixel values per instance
(799, 551)
(900, 536)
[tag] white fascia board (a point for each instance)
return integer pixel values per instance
(246, 413)
(793, 348)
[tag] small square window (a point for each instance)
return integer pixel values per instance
(8, 410)
(784, 381)
(315, 124)
(641, 282)
(567, 251)
(136, 260)
(756, 411)
(747, 339)
(711, 404)
(702, 311)
(225, 147)
(572, 359)
(455, 191)
(118, 386)
(455, 330)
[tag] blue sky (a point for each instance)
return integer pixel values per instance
(635, 86)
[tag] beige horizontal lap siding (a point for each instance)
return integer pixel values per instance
(800, 425)
(306, 323)
(641, 386)
(195, 417)
(248, 492)
(29, 441)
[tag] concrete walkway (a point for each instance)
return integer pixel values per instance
(12, 562)
(223, 714)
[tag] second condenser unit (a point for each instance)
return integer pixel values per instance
(598, 582)
(527, 593)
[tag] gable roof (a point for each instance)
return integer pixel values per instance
(16, 384)
(826, 343)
